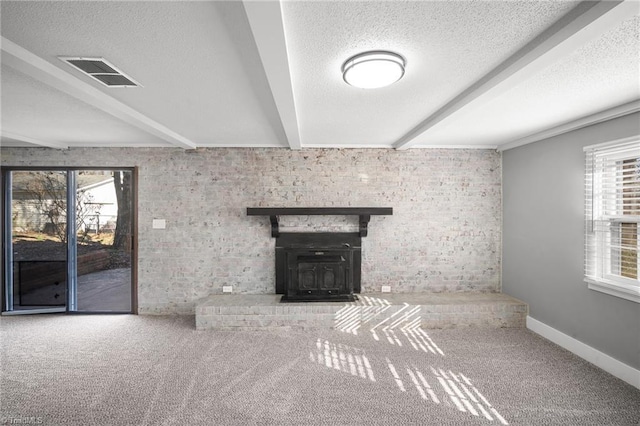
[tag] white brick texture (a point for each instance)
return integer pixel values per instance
(444, 235)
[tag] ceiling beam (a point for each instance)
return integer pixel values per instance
(584, 23)
(599, 117)
(38, 142)
(32, 65)
(266, 22)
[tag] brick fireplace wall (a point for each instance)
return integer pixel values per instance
(444, 235)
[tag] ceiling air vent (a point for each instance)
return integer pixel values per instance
(101, 70)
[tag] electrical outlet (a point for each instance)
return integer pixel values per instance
(386, 289)
(159, 224)
(227, 289)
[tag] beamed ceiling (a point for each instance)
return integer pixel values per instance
(479, 74)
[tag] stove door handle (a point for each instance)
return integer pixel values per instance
(347, 245)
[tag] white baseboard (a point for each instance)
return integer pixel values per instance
(586, 352)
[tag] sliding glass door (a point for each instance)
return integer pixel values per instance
(103, 240)
(68, 241)
(36, 241)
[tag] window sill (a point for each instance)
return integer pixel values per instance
(623, 291)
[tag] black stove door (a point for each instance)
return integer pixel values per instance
(318, 273)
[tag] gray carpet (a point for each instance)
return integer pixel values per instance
(141, 370)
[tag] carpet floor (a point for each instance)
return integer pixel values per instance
(145, 370)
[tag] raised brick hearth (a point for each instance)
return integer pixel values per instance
(382, 313)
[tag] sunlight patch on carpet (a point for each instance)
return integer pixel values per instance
(373, 314)
(342, 358)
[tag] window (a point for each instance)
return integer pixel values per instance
(612, 213)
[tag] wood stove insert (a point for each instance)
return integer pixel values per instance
(318, 266)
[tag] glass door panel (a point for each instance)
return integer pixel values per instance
(38, 254)
(103, 240)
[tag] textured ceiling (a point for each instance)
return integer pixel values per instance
(606, 70)
(447, 46)
(196, 60)
(267, 74)
(33, 109)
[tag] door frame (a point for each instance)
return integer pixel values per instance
(7, 237)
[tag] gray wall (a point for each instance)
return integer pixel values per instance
(444, 235)
(543, 228)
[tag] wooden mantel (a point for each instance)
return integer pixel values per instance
(274, 212)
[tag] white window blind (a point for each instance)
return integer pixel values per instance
(612, 213)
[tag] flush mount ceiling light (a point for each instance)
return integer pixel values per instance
(370, 70)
